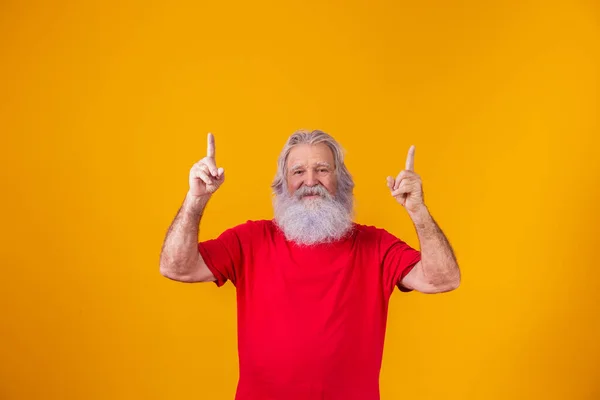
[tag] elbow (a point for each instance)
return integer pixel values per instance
(165, 267)
(171, 271)
(449, 283)
(452, 285)
(174, 275)
(446, 282)
(183, 272)
(431, 279)
(442, 287)
(167, 271)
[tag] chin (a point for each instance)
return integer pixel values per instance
(313, 201)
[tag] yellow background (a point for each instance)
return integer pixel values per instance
(105, 107)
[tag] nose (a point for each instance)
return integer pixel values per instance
(311, 179)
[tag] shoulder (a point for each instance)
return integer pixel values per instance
(369, 231)
(375, 236)
(259, 224)
(255, 228)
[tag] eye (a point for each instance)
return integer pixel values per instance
(323, 170)
(298, 172)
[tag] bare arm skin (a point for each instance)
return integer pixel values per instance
(438, 270)
(180, 259)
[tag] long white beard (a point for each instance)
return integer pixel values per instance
(309, 221)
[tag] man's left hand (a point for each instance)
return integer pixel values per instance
(407, 188)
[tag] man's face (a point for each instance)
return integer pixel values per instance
(310, 212)
(311, 165)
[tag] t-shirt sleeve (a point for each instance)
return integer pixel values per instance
(398, 260)
(224, 255)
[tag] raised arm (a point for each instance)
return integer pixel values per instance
(438, 270)
(180, 259)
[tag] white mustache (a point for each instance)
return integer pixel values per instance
(311, 191)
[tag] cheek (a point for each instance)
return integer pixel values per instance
(331, 185)
(292, 184)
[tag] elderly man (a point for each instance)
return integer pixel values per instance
(312, 285)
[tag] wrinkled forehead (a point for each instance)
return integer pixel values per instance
(310, 155)
(318, 164)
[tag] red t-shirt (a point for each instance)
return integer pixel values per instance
(311, 321)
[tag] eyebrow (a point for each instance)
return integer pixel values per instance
(323, 164)
(295, 167)
(319, 164)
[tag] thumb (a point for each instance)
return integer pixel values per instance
(390, 182)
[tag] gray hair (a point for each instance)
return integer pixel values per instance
(345, 183)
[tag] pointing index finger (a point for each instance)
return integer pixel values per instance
(210, 151)
(410, 159)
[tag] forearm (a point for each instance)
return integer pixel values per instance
(179, 254)
(439, 265)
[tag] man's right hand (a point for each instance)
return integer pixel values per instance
(205, 177)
